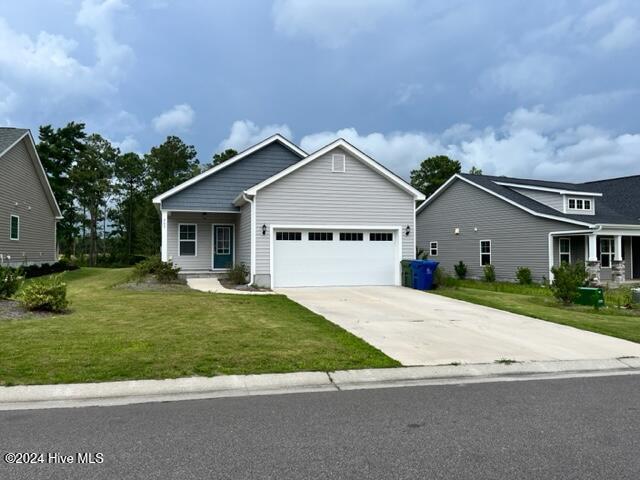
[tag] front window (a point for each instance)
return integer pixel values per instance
(485, 252)
(565, 250)
(606, 252)
(14, 234)
(433, 249)
(187, 240)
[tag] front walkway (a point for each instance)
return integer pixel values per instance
(418, 328)
(213, 285)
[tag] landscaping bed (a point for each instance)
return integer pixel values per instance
(538, 302)
(121, 333)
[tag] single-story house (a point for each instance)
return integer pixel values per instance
(28, 209)
(332, 217)
(515, 222)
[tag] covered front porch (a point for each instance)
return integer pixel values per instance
(200, 242)
(611, 256)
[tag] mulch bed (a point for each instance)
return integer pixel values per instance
(246, 288)
(12, 310)
(150, 283)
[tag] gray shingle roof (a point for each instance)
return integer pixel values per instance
(619, 204)
(9, 135)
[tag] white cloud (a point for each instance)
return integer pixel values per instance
(127, 144)
(178, 118)
(245, 133)
(530, 143)
(624, 34)
(43, 76)
(331, 23)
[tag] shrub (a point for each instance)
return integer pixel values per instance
(489, 273)
(147, 267)
(621, 297)
(48, 294)
(461, 270)
(10, 280)
(238, 274)
(164, 272)
(33, 271)
(567, 279)
(167, 273)
(523, 274)
(422, 254)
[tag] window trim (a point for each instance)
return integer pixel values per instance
(333, 162)
(579, 204)
(490, 252)
(11, 237)
(195, 253)
(560, 252)
(611, 253)
(432, 248)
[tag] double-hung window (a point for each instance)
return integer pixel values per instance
(607, 252)
(565, 250)
(187, 237)
(485, 252)
(14, 233)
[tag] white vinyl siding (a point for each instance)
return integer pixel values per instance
(314, 195)
(243, 255)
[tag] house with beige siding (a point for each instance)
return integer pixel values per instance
(514, 222)
(330, 218)
(28, 208)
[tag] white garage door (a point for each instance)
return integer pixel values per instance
(307, 258)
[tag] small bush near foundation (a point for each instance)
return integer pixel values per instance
(461, 270)
(164, 272)
(10, 281)
(620, 297)
(47, 294)
(523, 274)
(567, 278)
(238, 274)
(489, 273)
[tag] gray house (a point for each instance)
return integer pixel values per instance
(28, 208)
(512, 222)
(333, 217)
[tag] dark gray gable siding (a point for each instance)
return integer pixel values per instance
(9, 136)
(218, 191)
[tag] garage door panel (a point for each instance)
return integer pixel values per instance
(298, 263)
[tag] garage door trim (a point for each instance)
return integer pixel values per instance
(386, 228)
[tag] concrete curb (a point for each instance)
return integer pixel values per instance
(143, 391)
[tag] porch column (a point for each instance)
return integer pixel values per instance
(593, 265)
(164, 251)
(617, 267)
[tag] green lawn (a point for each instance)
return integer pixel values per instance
(537, 302)
(113, 333)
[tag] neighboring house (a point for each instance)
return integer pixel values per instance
(28, 208)
(513, 222)
(334, 217)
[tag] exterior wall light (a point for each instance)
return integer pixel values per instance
(407, 230)
(264, 229)
(456, 231)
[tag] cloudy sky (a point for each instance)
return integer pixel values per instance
(545, 89)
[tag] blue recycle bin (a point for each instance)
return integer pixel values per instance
(423, 272)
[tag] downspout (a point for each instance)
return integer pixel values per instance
(253, 237)
(565, 232)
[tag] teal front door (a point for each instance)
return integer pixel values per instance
(222, 246)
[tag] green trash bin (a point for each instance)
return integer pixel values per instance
(591, 296)
(407, 273)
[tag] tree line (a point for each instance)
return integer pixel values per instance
(105, 195)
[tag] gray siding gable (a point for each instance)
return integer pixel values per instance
(217, 192)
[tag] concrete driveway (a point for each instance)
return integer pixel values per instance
(418, 328)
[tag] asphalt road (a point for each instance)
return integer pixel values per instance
(587, 428)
